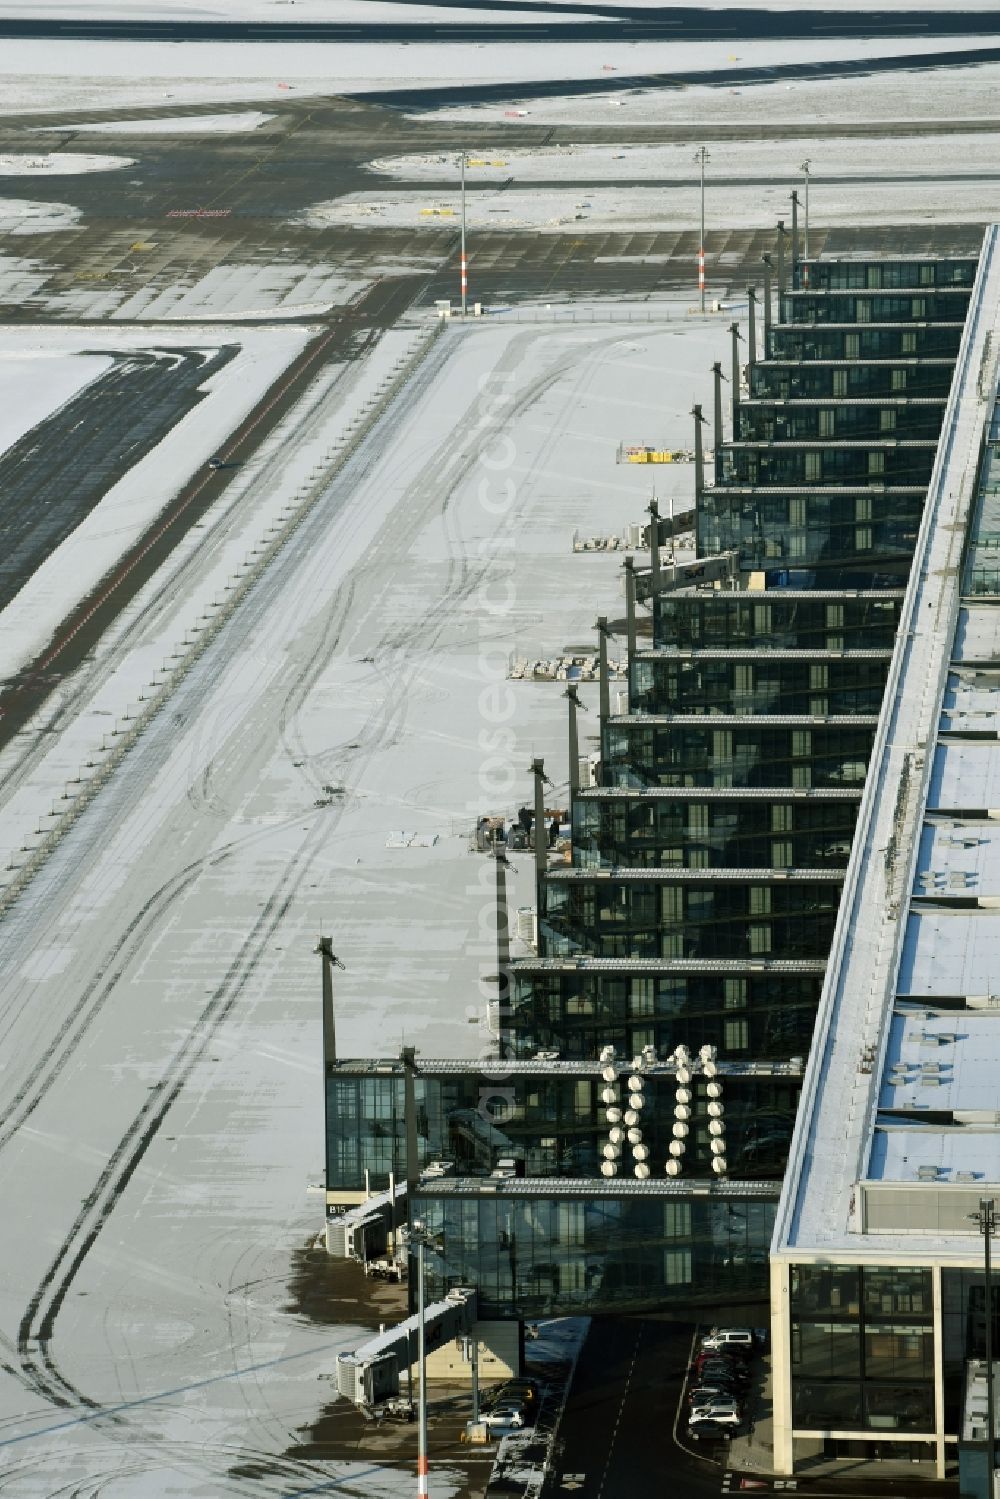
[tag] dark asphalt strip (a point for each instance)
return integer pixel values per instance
(689, 23)
(414, 99)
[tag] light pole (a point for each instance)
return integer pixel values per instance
(987, 1220)
(465, 263)
(701, 156)
(418, 1236)
(804, 169)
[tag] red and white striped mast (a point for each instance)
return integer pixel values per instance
(701, 156)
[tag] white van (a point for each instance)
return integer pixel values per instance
(730, 1340)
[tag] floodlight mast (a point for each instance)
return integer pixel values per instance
(701, 156)
(464, 258)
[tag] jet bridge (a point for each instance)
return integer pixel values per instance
(370, 1374)
(719, 569)
(362, 1233)
(723, 567)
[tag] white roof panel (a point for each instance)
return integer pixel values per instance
(898, 1154)
(978, 636)
(965, 775)
(958, 860)
(951, 953)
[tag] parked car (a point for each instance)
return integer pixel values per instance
(725, 1355)
(721, 1379)
(506, 1415)
(721, 1415)
(720, 1408)
(738, 1340)
(706, 1431)
(526, 1392)
(718, 1389)
(707, 1364)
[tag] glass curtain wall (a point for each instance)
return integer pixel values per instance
(759, 1015)
(551, 1257)
(862, 1348)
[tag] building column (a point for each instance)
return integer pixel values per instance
(939, 1453)
(781, 1366)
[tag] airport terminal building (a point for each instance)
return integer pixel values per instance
(756, 1044)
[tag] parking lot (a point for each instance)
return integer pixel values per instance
(724, 1385)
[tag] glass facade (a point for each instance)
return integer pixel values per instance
(838, 532)
(754, 1013)
(946, 304)
(862, 1348)
(883, 462)
(541, 1256)
(844, 420)
(759, 684)
(952, 270)
(610, 829)
(777, 619)
(553, 1121)
(874, 341)
(652, 918)
(738, 752)
(786, 379)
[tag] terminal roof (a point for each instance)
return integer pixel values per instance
(898, 1131)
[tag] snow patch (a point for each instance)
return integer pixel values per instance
(244, 292)
(36, 382)
(586, 209)
(913, 154)
(59, 164)
(22, 216)
(173, 124)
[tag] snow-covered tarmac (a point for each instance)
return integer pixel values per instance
(102, 74)
(41, 363)
(160, 966)
(625, 210)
